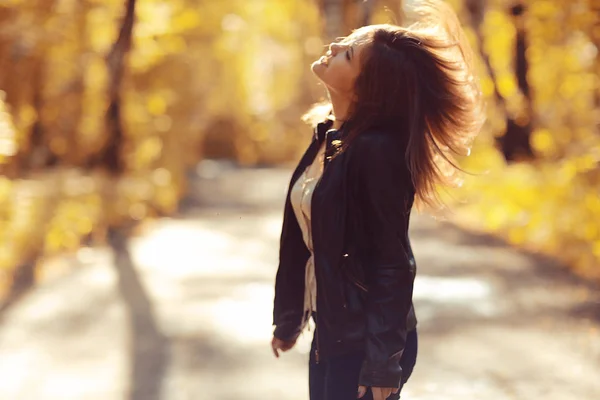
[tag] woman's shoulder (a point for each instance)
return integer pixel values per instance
(376, 143)
(377, 150)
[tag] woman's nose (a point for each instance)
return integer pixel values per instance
(334, 48)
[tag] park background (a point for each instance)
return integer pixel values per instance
(116, 116)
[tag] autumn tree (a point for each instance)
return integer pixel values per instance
(108, 104)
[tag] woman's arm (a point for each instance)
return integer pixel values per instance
(385, 195)
(288, 305)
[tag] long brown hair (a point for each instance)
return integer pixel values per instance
(419, 82)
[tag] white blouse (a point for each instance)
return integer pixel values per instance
(301, 199)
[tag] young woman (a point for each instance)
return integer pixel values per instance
(402, 101)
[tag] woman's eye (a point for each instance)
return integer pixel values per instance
(347, 55)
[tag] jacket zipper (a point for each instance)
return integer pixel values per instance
(360, 285)
(325, 160)
(310, 222)
(315, 258)
(317, 350)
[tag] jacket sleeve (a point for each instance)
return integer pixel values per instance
(385, 195)
(288, 304)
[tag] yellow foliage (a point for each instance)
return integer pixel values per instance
(553, 203)
(542, 141)
(232, 77)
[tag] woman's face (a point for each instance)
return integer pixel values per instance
(340, 66)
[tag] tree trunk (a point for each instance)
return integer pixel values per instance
(333, 11)
(28, 64)
(595, 37)
(476, 10)
(110, 155)
(515, 142)
(366, 12)
(77, 89)
(39, 156)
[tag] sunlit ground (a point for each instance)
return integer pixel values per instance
(491, 325)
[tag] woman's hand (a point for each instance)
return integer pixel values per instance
(379, 393)
(278, 344)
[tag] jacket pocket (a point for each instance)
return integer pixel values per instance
(359, 284)
(355, 299)
(355, 288)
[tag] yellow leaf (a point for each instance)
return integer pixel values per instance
(188, 19)
(506, 85)
(157, 104)
(543, 141)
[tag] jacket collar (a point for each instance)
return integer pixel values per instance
(322, 128)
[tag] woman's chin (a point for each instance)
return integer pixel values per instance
(317, 66)
(318, 69)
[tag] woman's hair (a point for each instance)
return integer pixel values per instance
(418, 81)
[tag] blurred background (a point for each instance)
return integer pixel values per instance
(145, 148)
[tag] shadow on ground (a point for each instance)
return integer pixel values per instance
(184, 312)
(148, 347)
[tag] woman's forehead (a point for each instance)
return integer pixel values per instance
(358, 36)
(365, 33)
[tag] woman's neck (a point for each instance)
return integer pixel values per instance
(340, 106)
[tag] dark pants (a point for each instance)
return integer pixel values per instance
(337, 378)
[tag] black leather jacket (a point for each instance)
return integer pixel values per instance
(363, 260)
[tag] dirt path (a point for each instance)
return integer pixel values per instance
(188, 315)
